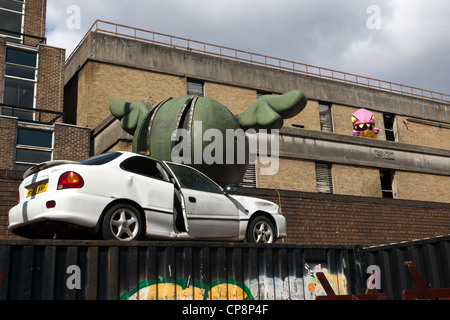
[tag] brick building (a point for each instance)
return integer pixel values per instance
(32, 123)
(318, 153)
(334, 187)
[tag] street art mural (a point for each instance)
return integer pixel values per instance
(364, 124)
(182, 127)
(306, 287)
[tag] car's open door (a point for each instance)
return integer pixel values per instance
(208, 211)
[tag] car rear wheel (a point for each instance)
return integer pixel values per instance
(261, 230)
(122, 222)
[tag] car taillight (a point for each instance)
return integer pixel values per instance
(70, 180)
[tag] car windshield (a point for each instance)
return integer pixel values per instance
(191, 179)
(101, 159)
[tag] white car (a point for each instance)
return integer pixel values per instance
(126, 196)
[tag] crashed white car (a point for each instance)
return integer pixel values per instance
(126, 196)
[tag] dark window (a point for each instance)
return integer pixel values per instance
(389, 126)
(19, 83)
(388, 184)
(101, 159)
(195, 87)
(34, 137)
(32, 156)
(260, 94)
(21, 57)
(11, 15)
(18, 93)
(192, 179)
(143, 166)
(326, 121)
(33, 146)
(324, 178)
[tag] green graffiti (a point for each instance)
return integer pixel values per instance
(187, 289)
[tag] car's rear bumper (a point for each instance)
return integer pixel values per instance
(80, 209)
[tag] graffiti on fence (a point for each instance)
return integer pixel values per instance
(187, 289)
(183, 289)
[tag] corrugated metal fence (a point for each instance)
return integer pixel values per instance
(430, 256)
(99, 270)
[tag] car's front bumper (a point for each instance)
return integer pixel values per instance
(281, 225)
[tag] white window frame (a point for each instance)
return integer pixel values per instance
(23, 125)
(20, 38)
(36, 68)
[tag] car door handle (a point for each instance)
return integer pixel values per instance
(192, 199)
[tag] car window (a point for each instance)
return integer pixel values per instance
(101, 159)
(144, 166)
(191, 179)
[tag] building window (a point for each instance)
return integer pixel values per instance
(11, 17)
(326, 121)
(19, 85)
(195, 88)
(324, 178)
(249, 179)
(33, 146)
(390, 126)
(388, 184)
(259, 94)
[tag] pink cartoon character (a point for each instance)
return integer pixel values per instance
(364, 124)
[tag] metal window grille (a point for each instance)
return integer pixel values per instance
(326, 121)
(249, 179)
(324, 178)
(388, 184)
(195, 87)
(390, 126)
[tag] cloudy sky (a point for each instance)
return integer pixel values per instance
(402, 41)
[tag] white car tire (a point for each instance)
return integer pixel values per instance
(261, 230)
(122, 222)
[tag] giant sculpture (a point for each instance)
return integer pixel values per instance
(158, 130)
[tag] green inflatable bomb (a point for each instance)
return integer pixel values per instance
(202, 132)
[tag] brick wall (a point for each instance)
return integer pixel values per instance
(34, 21)
(50, 88)
(71, 142)
(9, 184)
(8, 130)
(319, 219)
(314, 218)
(2, 62)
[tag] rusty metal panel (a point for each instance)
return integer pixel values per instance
(103, 270)
(430, 256)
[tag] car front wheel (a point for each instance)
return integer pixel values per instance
(122, 222)
(261, 230)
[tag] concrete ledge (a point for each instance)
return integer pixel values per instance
(146, 56)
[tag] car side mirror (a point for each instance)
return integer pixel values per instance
(231, 188)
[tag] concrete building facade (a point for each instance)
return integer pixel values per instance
(410, 159)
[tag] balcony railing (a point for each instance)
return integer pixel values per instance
(31, 115)
(21, 37)
(260, 59)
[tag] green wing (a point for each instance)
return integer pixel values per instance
(130, 114)
(269, 111)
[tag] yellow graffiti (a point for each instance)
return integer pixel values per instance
(338, 284)
(173, 291)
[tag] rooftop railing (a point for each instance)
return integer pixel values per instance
(260, 59)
